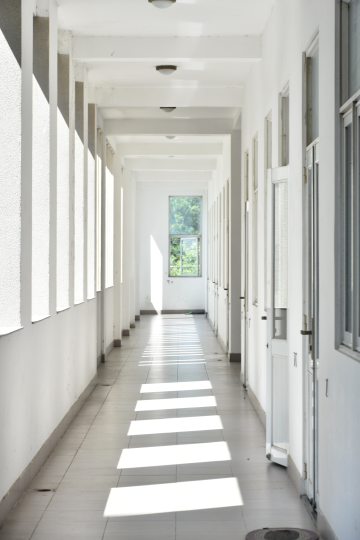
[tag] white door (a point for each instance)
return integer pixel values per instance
(277, 418)
(246, 296)
(311, 319)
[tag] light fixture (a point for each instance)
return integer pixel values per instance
(168, 109)
(162, 4)
(166, 70)
(170, 137)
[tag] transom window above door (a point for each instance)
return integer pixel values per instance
(185, 236)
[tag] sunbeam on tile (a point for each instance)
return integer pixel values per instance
(159, 456)
(175, 425)
(175, 387)
(174, 497)
(175, 403)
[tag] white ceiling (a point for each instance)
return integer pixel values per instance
(185, 18)
(213, 43)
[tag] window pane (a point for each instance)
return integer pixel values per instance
(354, 47)
(268, 144)
(185, 215)
(280, 260)
(256, 169)
(175, 265)
(285, 130)
(189, 256)
(348, 230)
(312, 97)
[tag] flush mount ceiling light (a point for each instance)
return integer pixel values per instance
(162, 4)
(168, 109)
(166, 70)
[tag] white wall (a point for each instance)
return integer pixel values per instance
(289, 32)
(153, 210)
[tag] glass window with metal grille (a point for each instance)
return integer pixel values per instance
(185, 236)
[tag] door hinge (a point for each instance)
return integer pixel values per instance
(304, 175)
(305, 472)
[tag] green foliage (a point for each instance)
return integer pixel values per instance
(185, 247)
(185, 215)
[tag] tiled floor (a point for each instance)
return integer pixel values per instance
(83, 468)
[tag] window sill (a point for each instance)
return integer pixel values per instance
(60, 310)
(92, 298)
(42, 319)
(6, 330)
(79, 303)
(354, 355)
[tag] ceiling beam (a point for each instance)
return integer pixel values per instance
(171, 147)
(173, 176)
(166, 97)
(177, 49)
(170, 164)
(175, 126)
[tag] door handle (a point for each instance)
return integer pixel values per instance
(306, 332)
(264, 318)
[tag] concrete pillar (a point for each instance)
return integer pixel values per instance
(41, 168)
(235, 248)
(117, 252)
(14, 38)
(53, 93)
(103, 250)
(126, 184)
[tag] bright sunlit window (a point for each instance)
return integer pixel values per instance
(185, 236)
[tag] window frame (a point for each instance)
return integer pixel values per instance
(198, 236)
(349, 116)
(255, 222)
(284, 123)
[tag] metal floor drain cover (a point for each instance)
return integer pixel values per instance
(284, 533)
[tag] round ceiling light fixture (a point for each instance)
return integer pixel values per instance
(171, 137)
(168, 109)
(166, 70)
(162, 4)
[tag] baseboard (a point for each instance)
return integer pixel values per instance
(126, 332)
(324, 528)
(222, 343)
(137, 317)
(212, 326)
(109, 348)
(21, 484)
(171, 312)
(256, 404)
(182, 311)
(234, 357)
(295, 476)
(117, 342)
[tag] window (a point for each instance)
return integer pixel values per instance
(268, 167)
(79, 195)
(63, 185)
(185, 236)
(91, 201)
(40, 303)
(349, 189)
(255, 221)
(285, 127)
(10, 170)
(98, 207)
(312, 94)
(109, 217)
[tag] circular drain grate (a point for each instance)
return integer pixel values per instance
(282, 534)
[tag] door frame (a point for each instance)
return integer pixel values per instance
(274, 453)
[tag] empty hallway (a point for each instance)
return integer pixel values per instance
(136, 390)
